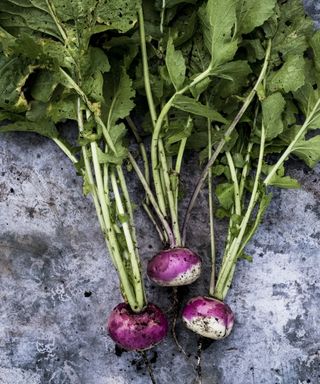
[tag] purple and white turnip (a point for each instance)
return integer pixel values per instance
(208, 317)
(174, 267)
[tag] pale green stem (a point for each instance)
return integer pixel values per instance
(153, 202)
(142, 150)
(290, 148)
(57, 22)
(221, 144)
(128, 204)
(245, 170)
(126, 285)
(156, 133)
(177, 170)
(237, 202)
(227, 269)
(131, 246)
(162, 234)
(89, 172)
(163, 10)
(211, 220)
(155, 171)
(172, 206)
(66, 150)
(91, 108)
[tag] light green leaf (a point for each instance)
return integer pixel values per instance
(218, 20)
(190, 105)
(63, 109)
(110, 158)
(307, 98)
(225, 195)
(253, 13)
(121, 15)
(290, 77)
(284, 182)
(176, 65)
(308, 151)
(272, 109)
(119, 94)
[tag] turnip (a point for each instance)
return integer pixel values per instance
(174, 267)
(241, 158)
(75, 81)
(208, 317)
(137, 331)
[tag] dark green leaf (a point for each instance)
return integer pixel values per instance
(44, 128)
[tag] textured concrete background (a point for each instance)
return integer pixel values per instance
(57, 284)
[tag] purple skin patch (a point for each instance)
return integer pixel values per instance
(202, 306)
(171, 264)
(137, 331)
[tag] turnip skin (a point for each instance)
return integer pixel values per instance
(208, 317)
(174, 267)
(137, 331)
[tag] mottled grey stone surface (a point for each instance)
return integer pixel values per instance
(57, 284)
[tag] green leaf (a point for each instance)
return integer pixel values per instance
(290, 77)
(245, 256)
(272, 109)
(238, 72)
(172, 3)
(292, 31)
(121, 15)
(187, 104)
(63, 109)
(44, 85)
(284, 182)
(225, 195)
(218, 20)
(308, 151)
(315, 45)
(110, 158)
(44, 128)
(14, 73)
(176, 65)
(119, 94)
(307, 97)
(253, 13)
